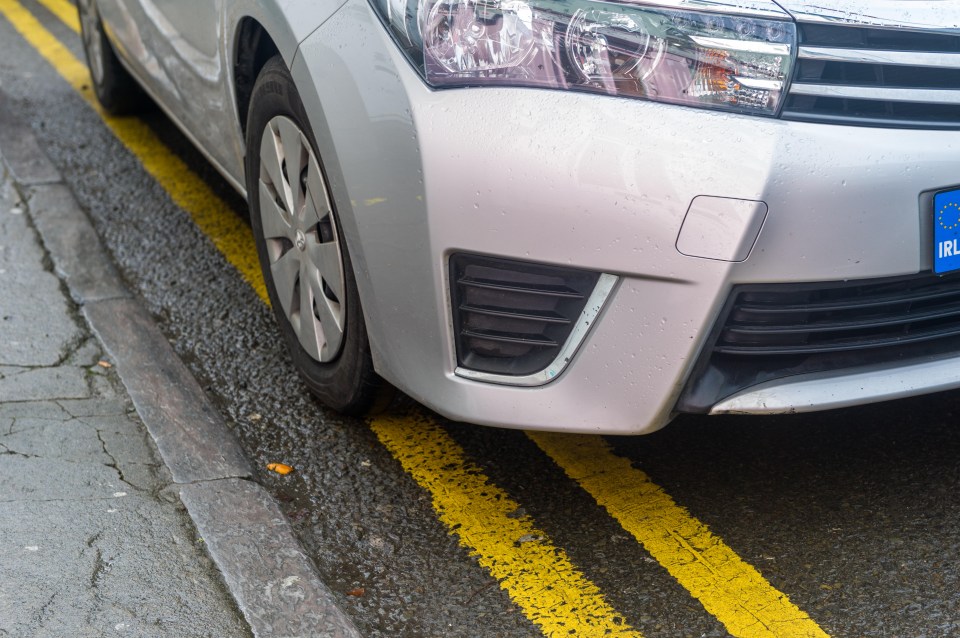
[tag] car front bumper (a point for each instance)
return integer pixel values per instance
(601, 184)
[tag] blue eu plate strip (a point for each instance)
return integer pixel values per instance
(946, 231)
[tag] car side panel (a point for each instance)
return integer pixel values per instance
(183, 51)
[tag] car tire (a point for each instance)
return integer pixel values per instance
(117, 91)
(302, 251)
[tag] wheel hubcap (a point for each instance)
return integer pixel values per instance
(295, 212)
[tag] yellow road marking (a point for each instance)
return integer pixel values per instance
(64, 10)
(230, 234)
(537, 575)
(730, 589)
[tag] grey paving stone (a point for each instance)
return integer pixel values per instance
(74, 245)
(85, 356)
(51, 479)
(124, 567)
(125, 443)
(102, 386)
(70, 440)
(36, 327)
(130, 451)
(33, 410)
(96, 406)
(21, 153)
(37, 384)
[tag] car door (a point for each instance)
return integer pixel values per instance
(176, 48)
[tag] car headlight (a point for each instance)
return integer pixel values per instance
(733, 63)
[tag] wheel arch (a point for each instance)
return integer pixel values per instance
(258, 30)
(253, 47)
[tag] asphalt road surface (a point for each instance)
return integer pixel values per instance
(842, 523)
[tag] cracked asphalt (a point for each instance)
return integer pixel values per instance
(92, 541)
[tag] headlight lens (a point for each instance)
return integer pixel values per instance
(710, 60)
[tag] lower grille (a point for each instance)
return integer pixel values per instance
(773, 331)
(513, 317)
(824, 320)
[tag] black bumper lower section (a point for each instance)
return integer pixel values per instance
(773, 331)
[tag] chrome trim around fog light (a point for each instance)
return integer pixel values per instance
(595, 303)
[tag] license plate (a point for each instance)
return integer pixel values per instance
(946, 231)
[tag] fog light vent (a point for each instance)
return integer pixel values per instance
(513, 317)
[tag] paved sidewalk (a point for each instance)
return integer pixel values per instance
(113, 462)
(93, 539)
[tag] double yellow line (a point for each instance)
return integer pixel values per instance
(539, 576)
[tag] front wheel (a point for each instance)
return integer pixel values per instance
(117, 92)
(306, 266)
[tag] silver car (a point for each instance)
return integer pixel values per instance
(580, 215)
